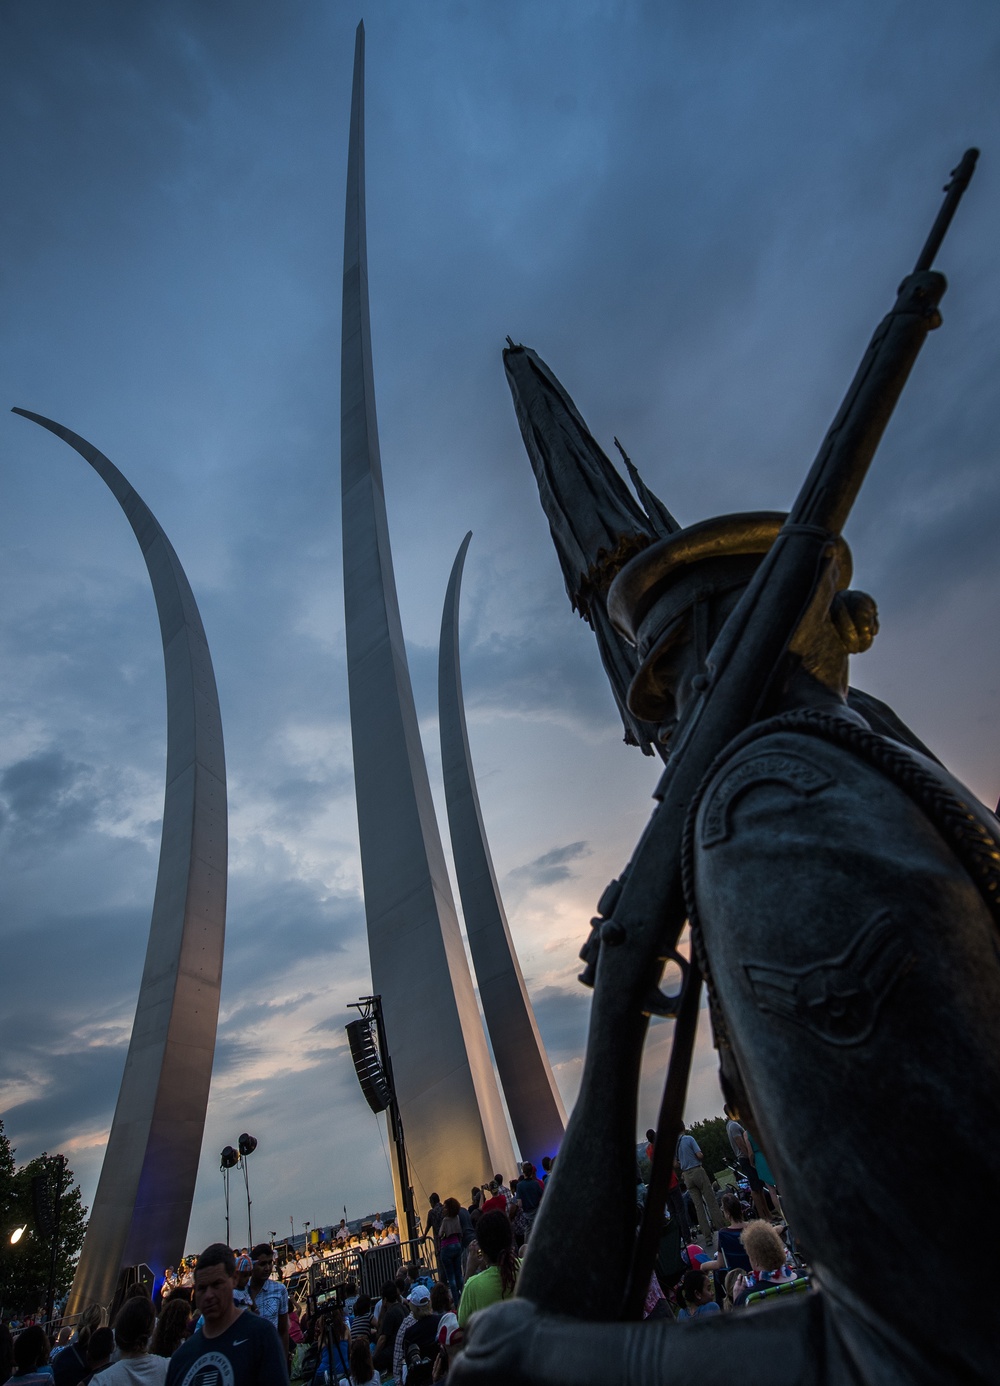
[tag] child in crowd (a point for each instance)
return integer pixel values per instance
(696, 1295)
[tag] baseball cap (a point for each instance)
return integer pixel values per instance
(419, 1295)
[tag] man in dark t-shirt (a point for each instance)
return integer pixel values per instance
(393, 1314)
(233, 1347)
(529, 1191)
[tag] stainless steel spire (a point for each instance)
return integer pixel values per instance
(533, 1101)
(456, 1131)
(143, 1200)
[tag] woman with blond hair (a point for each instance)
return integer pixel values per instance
(766, 1253)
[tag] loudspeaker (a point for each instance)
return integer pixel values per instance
(368, 1065)
(127, 1277)
(41, 1202)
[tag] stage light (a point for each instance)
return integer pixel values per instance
(248, 1144)
(368, 1064)
(17, 1234)
(230, 1158)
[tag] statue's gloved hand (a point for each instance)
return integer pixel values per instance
(499, 1343)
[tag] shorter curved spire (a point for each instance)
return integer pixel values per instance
(533, 1100)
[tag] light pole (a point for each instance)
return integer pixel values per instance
(230, 1158)
(247, 1146)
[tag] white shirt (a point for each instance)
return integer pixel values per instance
(136, 1371)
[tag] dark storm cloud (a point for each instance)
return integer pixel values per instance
(47, 794)
(81, 1087)
(552, 866)
(290, 920)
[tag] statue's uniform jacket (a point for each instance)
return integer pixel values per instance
(855, 966)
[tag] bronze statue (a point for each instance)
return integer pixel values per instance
(843, 893)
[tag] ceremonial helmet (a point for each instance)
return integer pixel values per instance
(665, 594)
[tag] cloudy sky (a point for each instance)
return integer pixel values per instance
(695, 212)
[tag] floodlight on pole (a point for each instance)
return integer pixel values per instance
(247, 1145)
(17, 1234)
(228, 1160)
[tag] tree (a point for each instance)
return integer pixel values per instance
(711, 1136)
(26, 1267)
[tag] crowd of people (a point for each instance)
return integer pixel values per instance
(242, 1319)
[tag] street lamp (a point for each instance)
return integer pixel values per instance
(17, 1234)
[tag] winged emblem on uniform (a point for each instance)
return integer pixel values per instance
(839, 998)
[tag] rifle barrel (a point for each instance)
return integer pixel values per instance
(954, 188)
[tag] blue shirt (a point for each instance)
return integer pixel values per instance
(710, 1308)
(688, 1151)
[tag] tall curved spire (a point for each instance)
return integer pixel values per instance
(533, 1100)
(143, 1201)
(452, 1114)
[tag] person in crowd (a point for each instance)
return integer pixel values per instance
(390, 1318)
(31, 1357)
(449, 1331)
(688, 1160)
(62, 1341)
(244, 1269)
(295, 1334)
(764, 1172)
(361, 1320)
(70, 1367)
(249, 1347)
(696, 1295)
(729, 1252)
(408, 1322)
(335, 1338)
(468, 1234)
(100, 1351)
(529, 1194)
(268, 1297)
(419, 1340)
(172, 1327)
(433, 1219)
(547, 1162)
(377, 1224)
(766, 1251)
(450, 1240)
(135, 1365)
(740, 1143)
(495, 1200)
(475, 1207)
(497, 1281)
(342, 1233)
(363, 1371)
